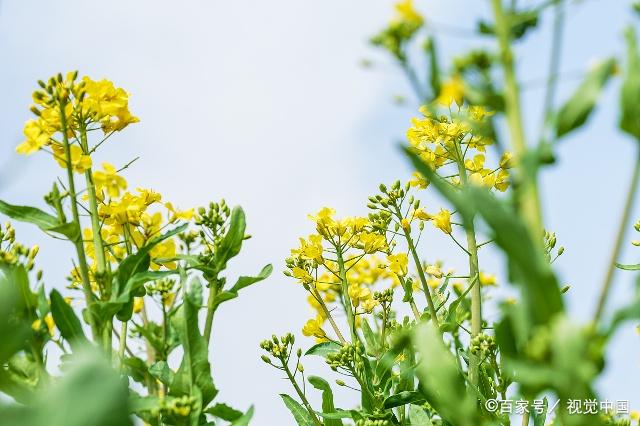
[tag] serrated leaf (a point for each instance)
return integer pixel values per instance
(575, 112)
(243, 282)
(300, 414)
(66, 320)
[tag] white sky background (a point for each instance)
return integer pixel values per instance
(264, 103)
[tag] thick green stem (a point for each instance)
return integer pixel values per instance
(617, 247)
(82, 259)
(528, 196)
(421, 274)
(301, 394)
(211, 309)
(123, 343)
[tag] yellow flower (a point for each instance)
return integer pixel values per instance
(434, 282)
(398, 263)
(310, 249)
(442, 221)
(434, 270)
(138, 303)
(109, 180)
(487, 279)
(313, 327)
(36, 138)
(178, 214)
(302, 275)
(418, 180)
(371, 242)
(406, 13)
(80, 162)
(421, 214)
(107, 104)
(452, 90)
(502, 181)
(161, 255)
(51, 326)
(506, 160)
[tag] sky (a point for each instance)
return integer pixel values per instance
(266, 104)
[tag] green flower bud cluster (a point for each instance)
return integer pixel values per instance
(278, 347)
(373, 422)
(482, 344)
(213, 222)
(550, 244)
(161, 286)
(58, 89)
(385, 297)
(349, 357)
(12, 252)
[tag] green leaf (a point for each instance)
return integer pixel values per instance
(161, 371)
(244, 420)
(224, 412)
(418, 417)
(575, 112)
(327, 398)
(66, 320)
(630, 90)
(300, 414)
(194, 370)
(370, 338)
(403, 398)
(323, 349)
(442, 383)
(42, 220)
(232, 241)
(243, 281)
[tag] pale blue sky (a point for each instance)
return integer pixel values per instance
(264, 103)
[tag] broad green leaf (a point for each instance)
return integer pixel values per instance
(13, 333)
(403, 398)
(370, 338)
(630, 90)
(327, 398)
(418, 417)
(245, 419)
(575, 112)
(440, 380)
(42, 220)
(224, 412)
(161, 371)
(232, 241)
(300, 414)
(323, 349)
(194, 370)
(66, 320)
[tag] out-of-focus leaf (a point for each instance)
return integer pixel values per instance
(232, 241)
(629, 267)
(418, 417)
(66, 320)
(90, 393)
(161, 371)
(327, 398)
(630, 90)
(434, 68)
(575, 112)
(300, 414)
(440, 380)
(539, 419)
(42, 220)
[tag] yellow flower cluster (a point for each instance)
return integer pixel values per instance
(74, 107)
(407, 14)
(444, 141)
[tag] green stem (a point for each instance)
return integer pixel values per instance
(554, 64)
(529, 198)
(476, 294)
(316, 294)
(525, 418)
(303, 398)
(628, 207)
(82, 259)
(421, 274)
(211, 308)
(123, 342)
(345, 296)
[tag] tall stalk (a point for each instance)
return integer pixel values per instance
(529, 199)
(342, 272)
(82, 259)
